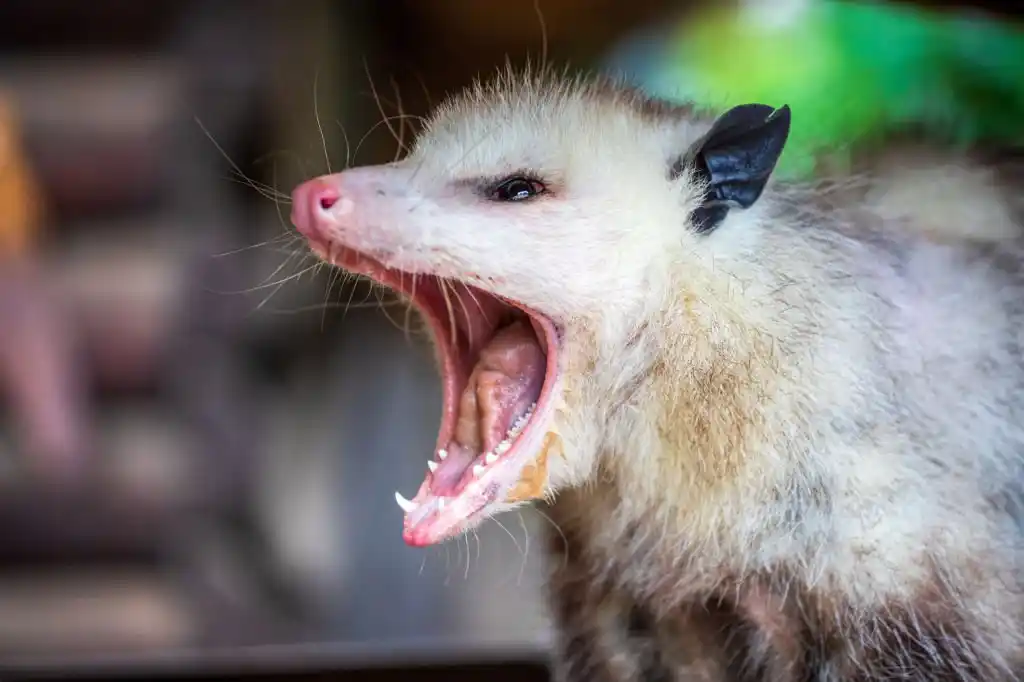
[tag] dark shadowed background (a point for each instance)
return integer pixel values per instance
(199, 436)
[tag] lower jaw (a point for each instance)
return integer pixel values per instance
(437, 518)
(431, 524)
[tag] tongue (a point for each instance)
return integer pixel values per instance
(506, 381)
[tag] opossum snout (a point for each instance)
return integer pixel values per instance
(316, 204)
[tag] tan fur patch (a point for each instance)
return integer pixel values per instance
(711, 419)
(535, 475)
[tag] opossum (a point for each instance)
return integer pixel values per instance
(780, 428)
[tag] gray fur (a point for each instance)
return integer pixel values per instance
(932, 338)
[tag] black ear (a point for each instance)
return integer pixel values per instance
(736, 158)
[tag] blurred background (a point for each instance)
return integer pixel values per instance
(199, 438)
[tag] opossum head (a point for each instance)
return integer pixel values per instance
(533, 225)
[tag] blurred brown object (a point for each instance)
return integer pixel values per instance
(20, 206)
(35, 355)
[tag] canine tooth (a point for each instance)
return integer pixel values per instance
(406, 505)
(440, 503)
(478, 469)
(441, 454)
(432, 465)
(491, 458)
(503, 447)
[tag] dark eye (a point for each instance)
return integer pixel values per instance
(516, 189)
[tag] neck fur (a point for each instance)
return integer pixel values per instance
(692, 380)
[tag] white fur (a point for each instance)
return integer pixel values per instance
(710, 380)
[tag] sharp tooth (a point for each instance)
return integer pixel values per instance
(441, 454)
(491, 458)
(406, 505)
(503, 447)
(478, 469)
(440, 503)
(432, 465)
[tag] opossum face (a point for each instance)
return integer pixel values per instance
(526, 225)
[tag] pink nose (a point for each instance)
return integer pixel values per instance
(311, 202)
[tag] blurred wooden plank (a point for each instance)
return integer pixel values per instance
(427, 659)
(511, 671)
(81, 611)
(96, 129)
(37, 25)
(56, 526)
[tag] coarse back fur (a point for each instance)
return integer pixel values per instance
(793, 447)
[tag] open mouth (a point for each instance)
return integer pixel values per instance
(498, 363)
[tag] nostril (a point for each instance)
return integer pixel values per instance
(328, 199)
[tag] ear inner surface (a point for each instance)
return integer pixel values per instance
(736, 158)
